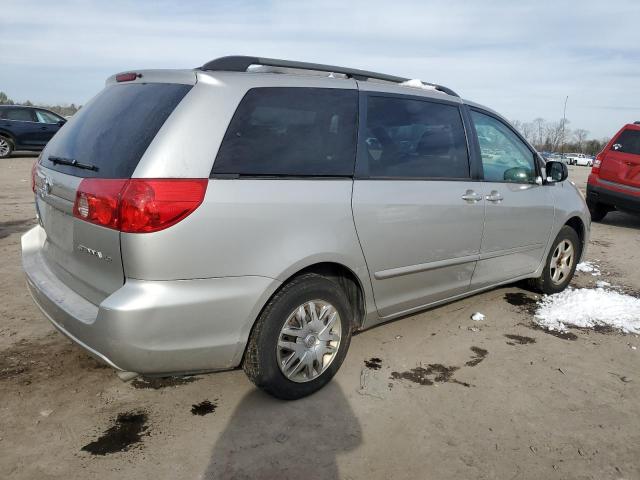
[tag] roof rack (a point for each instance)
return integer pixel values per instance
(242, 63)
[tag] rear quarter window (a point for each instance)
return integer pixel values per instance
(113, 131)
(279, 131)
(629, 142)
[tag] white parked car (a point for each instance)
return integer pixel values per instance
(580, 159)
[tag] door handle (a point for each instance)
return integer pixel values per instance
(43, 128)
(494, 197)
(471, 196)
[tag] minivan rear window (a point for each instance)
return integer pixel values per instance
(629, 141)
(281, 131)
(113, 130)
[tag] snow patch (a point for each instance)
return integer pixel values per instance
(589, 308)
(478, 317)
(417, 83)
(588, 267)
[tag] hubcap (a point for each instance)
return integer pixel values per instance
(562, 262)
(309, 341)
(4, 147)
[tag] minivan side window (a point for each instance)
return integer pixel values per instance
(629, 141)
(291, 132)
(505, 158)
(407, 138)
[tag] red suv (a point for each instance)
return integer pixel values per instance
(614, 182)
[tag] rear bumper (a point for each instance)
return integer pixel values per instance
(152, 327)
(598, 192)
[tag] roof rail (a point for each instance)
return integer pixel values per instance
(242, 63)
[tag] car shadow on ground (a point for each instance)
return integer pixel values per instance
(20, 154)
(270, 438)
(621, 219)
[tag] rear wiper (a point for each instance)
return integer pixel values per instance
(72, 163)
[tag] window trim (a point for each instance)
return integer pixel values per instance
(362, 162)
(534, 153)
(284, 176)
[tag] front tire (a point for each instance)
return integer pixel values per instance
(560, 263)
(300, 339)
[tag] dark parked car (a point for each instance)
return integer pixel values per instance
(26, 128)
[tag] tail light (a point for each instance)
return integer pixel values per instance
(597, 163)
(127, 77)
(138, 205)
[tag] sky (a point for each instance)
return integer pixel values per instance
(521, 58)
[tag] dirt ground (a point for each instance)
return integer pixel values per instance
(432, 396)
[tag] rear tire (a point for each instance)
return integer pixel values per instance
(597, 210)
(6, 147)
(293, 352)
(560, 264)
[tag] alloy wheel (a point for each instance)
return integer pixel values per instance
(5, 148)
(562, 261)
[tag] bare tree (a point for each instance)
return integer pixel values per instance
(580, 136)
(539, 125)
(4, 100)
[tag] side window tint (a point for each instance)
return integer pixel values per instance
(414, 138)
(21, 114)
(505, 158)
(291, 131)
(629, 141)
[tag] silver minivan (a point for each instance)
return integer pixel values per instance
(256, 212)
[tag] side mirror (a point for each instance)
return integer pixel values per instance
(556, 172)
(617, 146)
(517, 175)
(61, 122)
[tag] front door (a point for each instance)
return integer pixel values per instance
(48, 125)
(519, 212)
(418, 214)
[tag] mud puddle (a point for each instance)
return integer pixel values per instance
(126, 432)
(156, 383)
(519, 340)
(563, 335)
(479, 355)
(525, 303)
(433, 373)
(373, 363)
(203, 408)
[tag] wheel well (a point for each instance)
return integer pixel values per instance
(8, 136)
(344, 277)
(347, 280)
(577, 224)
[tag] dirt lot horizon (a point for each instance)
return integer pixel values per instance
(431, 396)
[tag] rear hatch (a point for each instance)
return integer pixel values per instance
(104, 140)
(621, 163)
